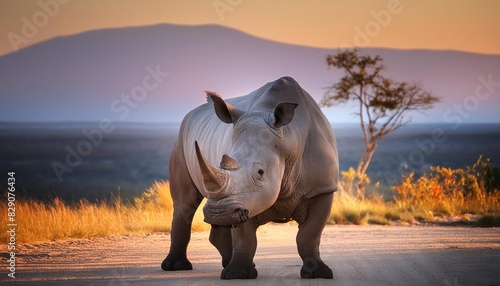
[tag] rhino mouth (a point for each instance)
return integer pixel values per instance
(224, 213)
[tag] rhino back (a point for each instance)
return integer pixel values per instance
(318, 157)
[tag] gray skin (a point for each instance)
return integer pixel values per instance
(268, 156)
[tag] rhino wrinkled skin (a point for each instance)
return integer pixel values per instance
(267, 156)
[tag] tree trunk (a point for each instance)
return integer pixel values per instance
(361, 170)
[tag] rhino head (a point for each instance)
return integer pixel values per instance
(248, 179)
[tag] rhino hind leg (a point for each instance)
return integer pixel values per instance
(309, 236)
(220, 237)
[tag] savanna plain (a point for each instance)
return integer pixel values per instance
(422, 222)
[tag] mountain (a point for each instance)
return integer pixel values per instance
(91, 76)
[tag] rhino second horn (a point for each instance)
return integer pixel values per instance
(214, 179)
(229, 163)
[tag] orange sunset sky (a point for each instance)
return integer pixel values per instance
(472, 26)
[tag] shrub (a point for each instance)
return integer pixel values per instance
(442, 192)
(447, 191)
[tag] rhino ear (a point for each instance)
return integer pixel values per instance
(283, 114)
(226, 112)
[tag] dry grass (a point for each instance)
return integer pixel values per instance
(38, 221)
(444, 192)
(347, 209)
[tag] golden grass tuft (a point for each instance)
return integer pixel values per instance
(37, 221)
(347, 209)
(443, 193)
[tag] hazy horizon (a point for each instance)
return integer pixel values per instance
(133, 156)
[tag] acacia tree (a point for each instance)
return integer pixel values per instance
(382, 102)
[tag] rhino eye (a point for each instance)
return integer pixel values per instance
(261, 172)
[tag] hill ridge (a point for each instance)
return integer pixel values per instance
(78, 77)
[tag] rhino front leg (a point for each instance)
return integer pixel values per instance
(241, 265)
(186, 200)
(179, 236)
(309, 236)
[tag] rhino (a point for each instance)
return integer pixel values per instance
(269, 156)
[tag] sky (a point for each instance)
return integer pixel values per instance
(463, 25)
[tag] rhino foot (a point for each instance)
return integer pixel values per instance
(171, 265)
(322, 271)
(239, 273)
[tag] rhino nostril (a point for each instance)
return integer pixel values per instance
(240, 210)
(242, 213)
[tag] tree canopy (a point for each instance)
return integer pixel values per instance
(382, 103)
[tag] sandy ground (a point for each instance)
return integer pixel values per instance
(366, 255)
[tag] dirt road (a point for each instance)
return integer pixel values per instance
(358, 255)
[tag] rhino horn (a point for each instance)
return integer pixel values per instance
(214, 179)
